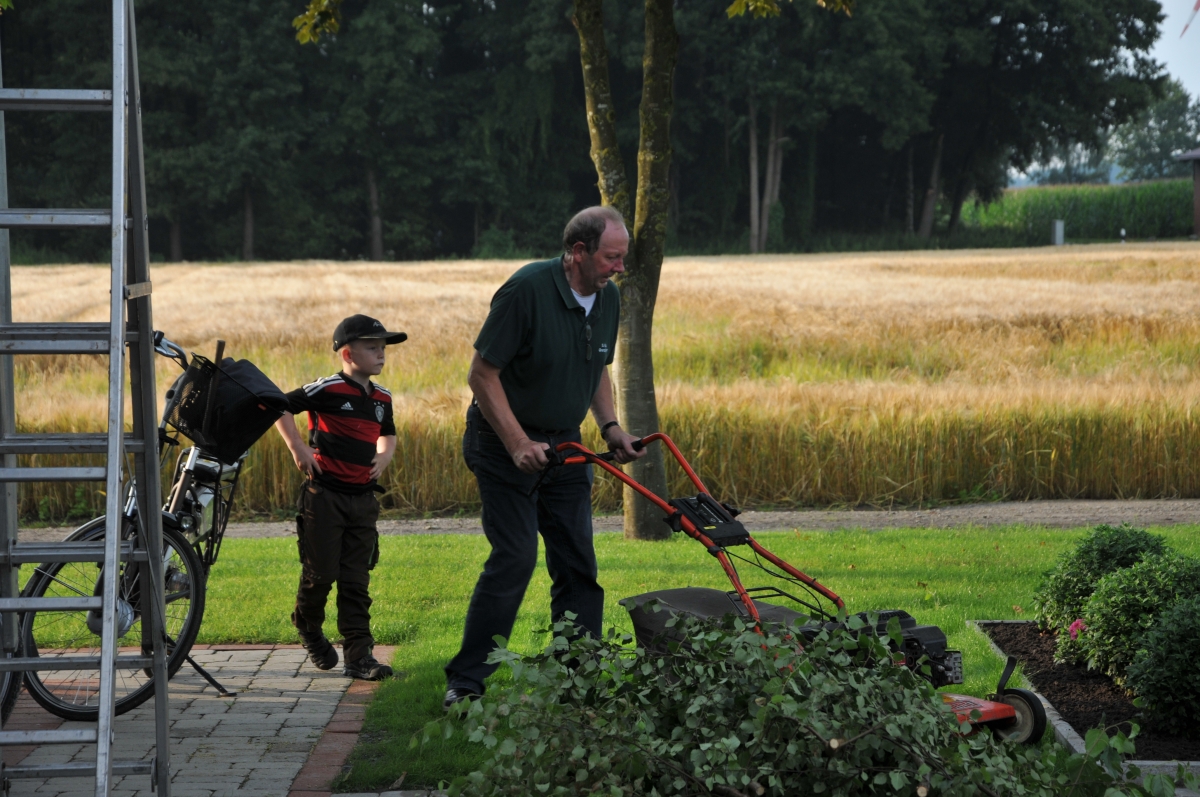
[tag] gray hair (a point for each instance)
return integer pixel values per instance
(588, 225)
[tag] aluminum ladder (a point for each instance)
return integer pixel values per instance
(130, 329)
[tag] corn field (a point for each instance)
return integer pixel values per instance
(1158, 209)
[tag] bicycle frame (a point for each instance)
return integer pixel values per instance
(201, 497)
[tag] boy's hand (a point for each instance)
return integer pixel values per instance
(306, 459)
(380, 462)
(385, 447)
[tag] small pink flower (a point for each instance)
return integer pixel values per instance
(1076, 628)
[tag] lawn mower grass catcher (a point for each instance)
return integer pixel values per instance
(1014, 714)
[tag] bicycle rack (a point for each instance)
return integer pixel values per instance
(130, 327)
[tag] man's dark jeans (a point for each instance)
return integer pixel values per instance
(561, 510)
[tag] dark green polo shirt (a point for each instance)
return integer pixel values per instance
(536, 334)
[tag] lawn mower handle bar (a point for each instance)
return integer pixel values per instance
(583, 455)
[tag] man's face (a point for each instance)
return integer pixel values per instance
(596, 269)
(365, 356)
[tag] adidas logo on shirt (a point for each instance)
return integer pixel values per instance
(347, 406)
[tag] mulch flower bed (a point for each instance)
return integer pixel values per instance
(1085, 699)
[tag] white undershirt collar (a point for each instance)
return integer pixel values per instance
(585, 302)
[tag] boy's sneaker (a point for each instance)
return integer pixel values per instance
(322, 653)
(367, 669)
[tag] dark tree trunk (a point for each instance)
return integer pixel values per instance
(931, 193)
(376, 219)
(755, 210)
(247, 224)
(673, 208)
(176, 241)
(772, 178)
(806, 208)
(725, 116)
(962, 187)
(633, 370)
(908, 194)
(886, 216)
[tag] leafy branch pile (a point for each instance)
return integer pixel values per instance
(731, 713)
(1127, 605)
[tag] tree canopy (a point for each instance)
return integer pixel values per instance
(438, 128)
(1144, 149)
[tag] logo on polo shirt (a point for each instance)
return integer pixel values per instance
(603, 348)
(347, 406)
(379, 412)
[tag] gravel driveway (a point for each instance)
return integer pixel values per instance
(1052, 514)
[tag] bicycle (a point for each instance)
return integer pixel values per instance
(194, 519)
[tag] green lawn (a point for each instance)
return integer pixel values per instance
(423, 583)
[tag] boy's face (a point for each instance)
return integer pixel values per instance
(364, 357)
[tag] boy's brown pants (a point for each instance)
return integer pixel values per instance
(338, 544)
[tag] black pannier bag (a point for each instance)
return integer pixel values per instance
(246, 405)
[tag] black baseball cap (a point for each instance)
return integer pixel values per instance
(363, 327)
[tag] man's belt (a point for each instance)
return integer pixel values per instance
(546, 432)
(483, 422)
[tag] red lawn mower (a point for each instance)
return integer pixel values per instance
(1014, 714)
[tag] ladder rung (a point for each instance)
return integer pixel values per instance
(80, 736)
(50, 604)
(55, 100)
(39, 552)
(76, 769)
(41, 218)
(72, 663)
(52, 475)
(64, 443)
(67, 338)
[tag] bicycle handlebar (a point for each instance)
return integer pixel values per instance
(170, 350)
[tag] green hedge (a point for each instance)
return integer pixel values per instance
(1159, 209)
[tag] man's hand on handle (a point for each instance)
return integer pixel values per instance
(530, 456)
(621, 443)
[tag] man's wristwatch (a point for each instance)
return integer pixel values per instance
(606, 427)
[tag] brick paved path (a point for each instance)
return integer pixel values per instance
(287, 732)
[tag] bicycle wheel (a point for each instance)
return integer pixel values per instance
(74, 694)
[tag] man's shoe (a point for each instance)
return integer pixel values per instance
(367, 669)
(457, 694)
(322, 653)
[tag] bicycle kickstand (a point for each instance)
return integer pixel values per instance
(208, 677)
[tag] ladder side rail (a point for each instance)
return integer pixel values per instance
(9, 516)
(116, 383)
(147, 474)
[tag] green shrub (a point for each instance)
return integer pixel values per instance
(1064, 590)
(1158, 209)
(730, 713)
(1127, 602)
(1164, 673)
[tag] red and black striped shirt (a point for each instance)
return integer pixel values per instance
(345, 421)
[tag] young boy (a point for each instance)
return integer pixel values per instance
(352, 438)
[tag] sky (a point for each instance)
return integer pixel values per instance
(1180, 56)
